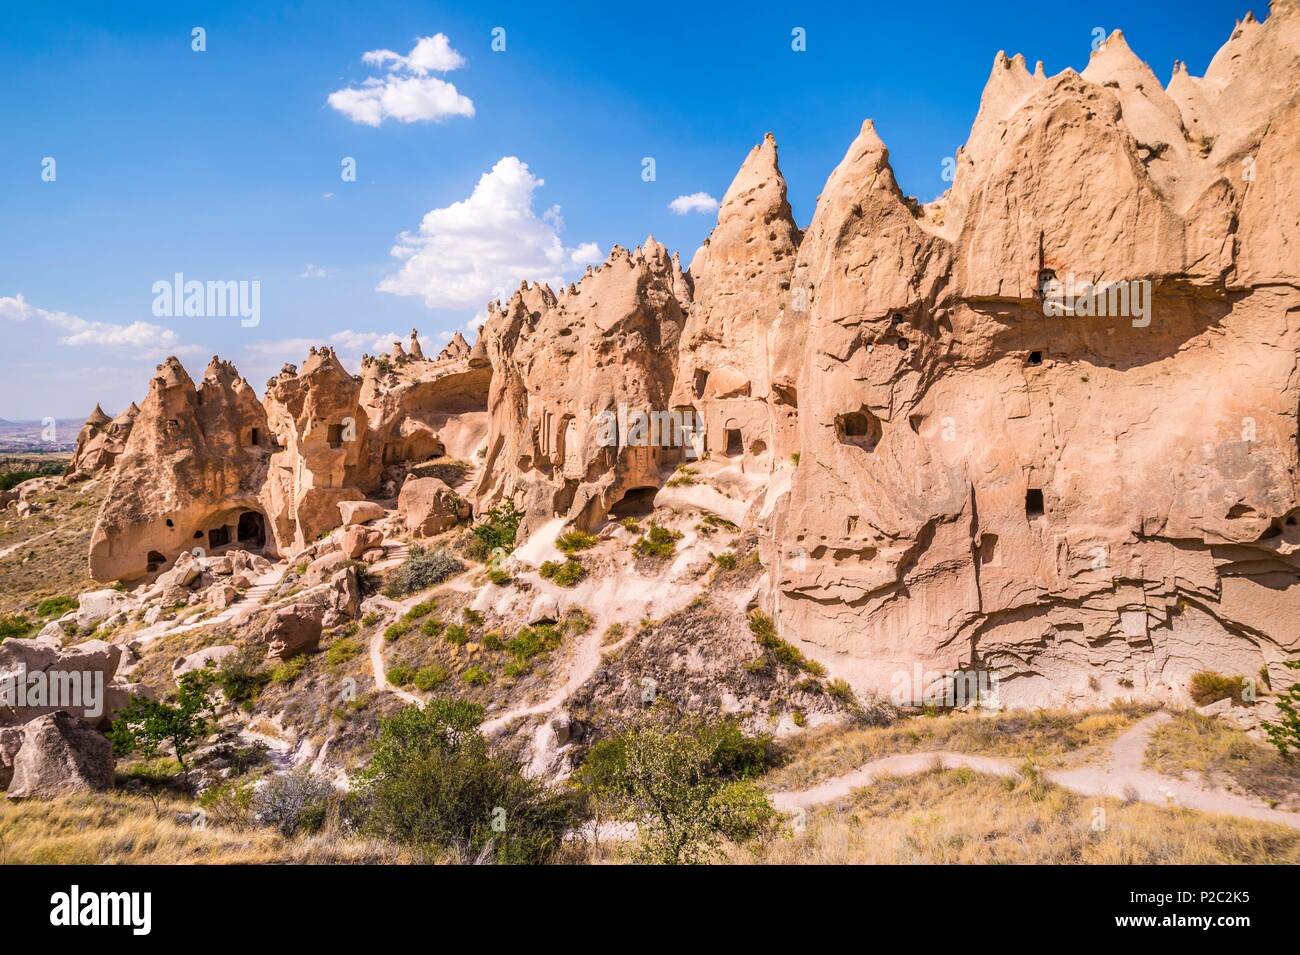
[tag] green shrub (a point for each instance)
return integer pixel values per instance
(684, 781)
(289, 670)
(567, 574)
(659, 543)
(1285, 734)
(432, 627)
(684, 476)
(56, 606)
(427, 678)
(842, 692)
(241, 676)
(476, 676)
(497, 530)
(14, 626)
(516, 668)
(500, 578)
(726, 561)
(228, 804)
(341, 651)
(400, 674)
(472, 617)
(631, 525)
(492, 640)
(1209, 687)
(421, 570)
(435, 784)
(533, 641)
(422, 609)
(776, 651)
(370, 619)
(575, 541)
(397, 629)
(457, 634)
(293, 803)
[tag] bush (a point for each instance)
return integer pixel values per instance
(630, 524)
(228, 804)
(293, 803)
(289, 670)
(397, 629)
(533, 641)
(456, 634)
(1285, 734)
(370, 619)
(427, 678)
(14, 626)
(422, 569)
(726, 561)
(422, 609)
(497, 530)
(432, 627)
(1209, 687)
(684, 781)
(575, 541)
(476, 676)
(500, 578)
(241, 677)
(567, 574)
(55, 606)
(472, 617)
(842, 692)
(659, 543)
(341, 651)
(492, 640)
(776, 652)
(400, 674)
(435, 784)
(184, 721)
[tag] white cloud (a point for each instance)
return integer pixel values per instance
(482, 247)
(148, 339)
(314, 272)
(429, 53)
(407, 94)
(695, 202)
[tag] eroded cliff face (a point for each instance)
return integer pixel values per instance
(1084, 505)
(569, 375)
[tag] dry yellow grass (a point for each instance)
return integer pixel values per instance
(1224, 755)
(958, 816)
(1044, 735)
(117, 829)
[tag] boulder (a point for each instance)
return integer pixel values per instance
(11, 740)
(209, 656)
(60, 755)
(292, 630)
(358, 540)
(96, 606)
(322, 568)
(428, 506)
(359, 512)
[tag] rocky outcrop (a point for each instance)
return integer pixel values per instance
(427, 506)
(1085, 506)
(101, 442)
(292, 630)
(571, 376)
(58, 756)
(39, 676)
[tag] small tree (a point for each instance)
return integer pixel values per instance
(185, 721)
(1285, 735)
(433, 782)
(684, 782)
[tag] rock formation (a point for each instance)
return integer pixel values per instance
(101, 442)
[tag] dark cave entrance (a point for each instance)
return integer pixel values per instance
(638, 502)
(251, 529)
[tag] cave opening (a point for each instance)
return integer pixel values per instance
(251, 529)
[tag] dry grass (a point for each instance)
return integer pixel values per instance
(118, 829)
(958, 816)
(55, 560)
(1044, 735)
(1225, 756)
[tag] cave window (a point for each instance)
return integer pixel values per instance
(1034, 503)
(155, 560)
(1046, 281)
(735, 442)
(198, 535)
(251, 529)
(218, 537)
(255, 437)
(169, 522)
(758, 447)
(334, 435)
(896, 319)
(860, 428)
(1035, 358)
(701, 381)
(988, 551)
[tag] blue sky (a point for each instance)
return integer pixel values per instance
(225, 164)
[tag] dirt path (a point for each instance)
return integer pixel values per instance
(246, 603)
(381, 674)
(23, 543)
(1120, 775)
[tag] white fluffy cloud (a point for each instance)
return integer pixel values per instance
(146, 338)
(407, 93)
(482, 247)
(695, 202)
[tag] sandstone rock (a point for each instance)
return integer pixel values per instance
(59, 755)
(428, 506)
(101, 442)
(322, 568)
(293, 630)
(198, 660)
(11, 740)
(358, 540)
(359, 512)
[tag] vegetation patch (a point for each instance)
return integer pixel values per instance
(659, 542)
(567, 574)
(422, 569)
